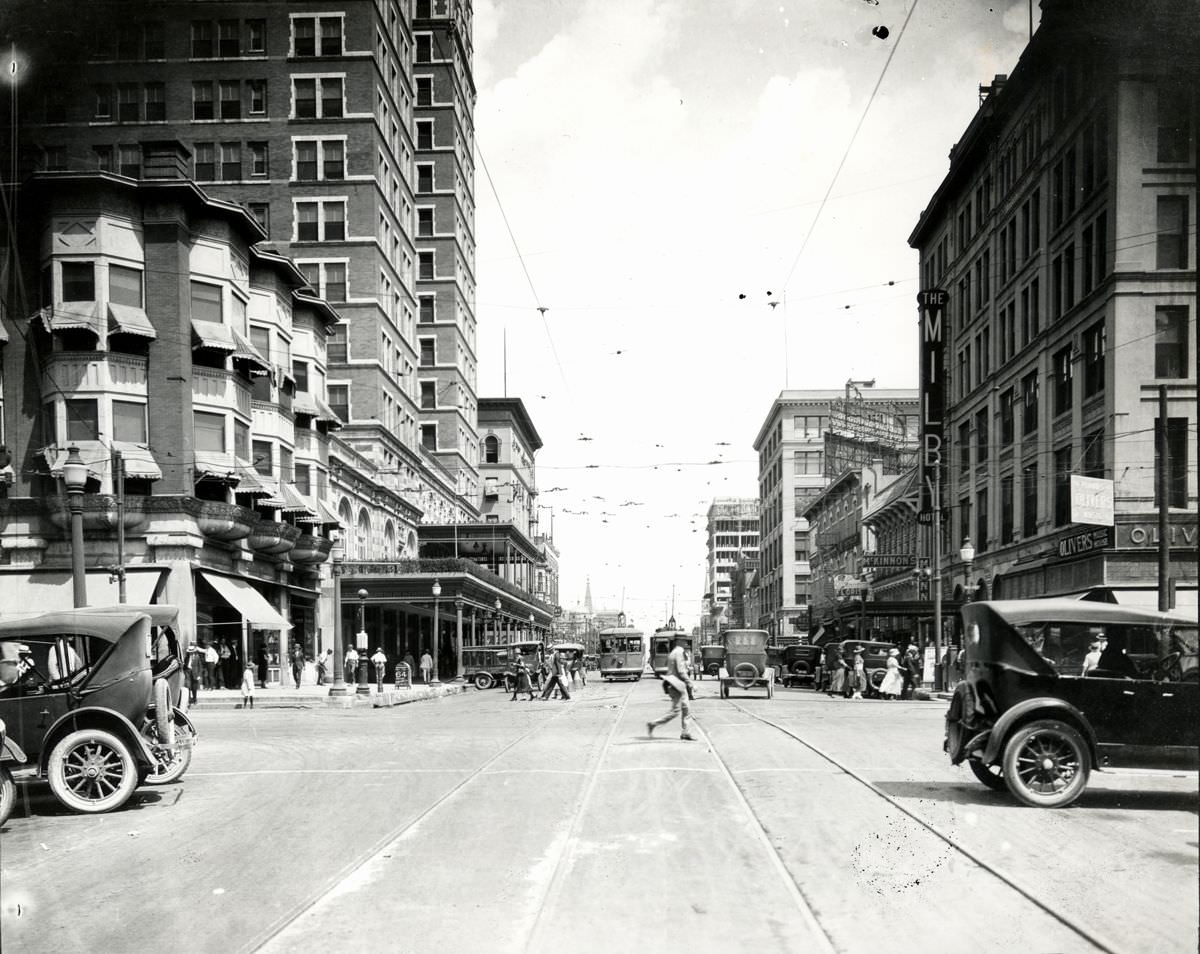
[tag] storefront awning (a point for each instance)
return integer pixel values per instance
(216, 466)
(293, 502)
(29, 593)
(138, 461)
(71, 315)
(253, 484)
(209, 334)
(130, 320)
(251, 605)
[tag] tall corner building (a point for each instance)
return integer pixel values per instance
(346, 129)
(1064, 233)
(732, 532)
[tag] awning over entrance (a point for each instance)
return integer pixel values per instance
(250, 604)
(30, 593)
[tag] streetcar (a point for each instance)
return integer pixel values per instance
(622, 653)
(662, 642)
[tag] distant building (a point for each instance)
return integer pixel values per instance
(732, 531)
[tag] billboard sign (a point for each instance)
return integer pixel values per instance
(1092, 501)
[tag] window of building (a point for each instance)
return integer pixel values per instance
(128, 103)
(104, 158)
(83, 423)
(809, 427)
(125, 286)
(129, 421)
(261, 211)
(231, 99)
(1007, 429)
(428, 352)
(229, 40)
(1062, 371)
(202, 40)
(1094, 346)
(202, 100)
(256, 90)
(156, 102)
(129, 161)
(78, 281)
(429, 436)
(1172, 249)
(1006, 510)
(256, 36)
(424, 133)
(424, 177)
(231, 161)
(808, 462)
(428, 395)
(1177, 461)
(491, 449)
(259, 165)
(424, 222)
(262, 456)
(206, 302)
(428, 308)
(331, 36)
(424, 48)
(328, 279)
(1093, 453)
(1170, 341)
(1062, 485)
(319, 97)
(321, 221)
(424, 86)
(241, 440)
(964, 447)
(303, 479)
(209, 431)
(1029, 490)
(154, 42)
(204, 158)
(425, 265)
(339, 400)
(981, 435)
(337, 348)
(1029, 403)
(981, 538)
(102, 110)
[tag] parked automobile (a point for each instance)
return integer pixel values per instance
(874, 654)
(746, 663)
(1027, 717)
(712, 658)
(800, 664)
(82, 707)
(485, 666)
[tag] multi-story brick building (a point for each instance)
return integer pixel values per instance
(795, 462)
(732, 531)
(1063, 233)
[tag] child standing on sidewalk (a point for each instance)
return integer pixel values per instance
(248, 687)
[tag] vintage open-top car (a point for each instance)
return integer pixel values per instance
(1055, 688)
(746, 662)
(712, 658)
(87, 701)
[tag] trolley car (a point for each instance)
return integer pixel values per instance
(622, 653)
(661, 643)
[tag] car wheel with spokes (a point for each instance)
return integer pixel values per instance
(484, 680)
(92, 771)
(1046, 764)
(990, 775)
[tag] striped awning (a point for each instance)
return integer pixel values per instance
(243, 350)
(209, 334)
(130, 320)
(294, 502)
(138, 460)
(93, 453)
(215, 466)
(263, 489)
(71, 315)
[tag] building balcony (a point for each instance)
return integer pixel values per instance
(75, 372)
(220, 390)
(222, 521)
(99, 512)
(310, 549)
(273, 538)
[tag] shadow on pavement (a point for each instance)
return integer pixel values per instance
(1094, 799)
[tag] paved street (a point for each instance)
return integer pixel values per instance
(471, 823)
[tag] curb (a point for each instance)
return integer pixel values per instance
(313, 698)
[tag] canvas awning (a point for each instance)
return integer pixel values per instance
(138, 460)
(243, 350)
(209, 334)
(69, 315)
(29, 593)
(93, 453)
(251, 605)
(293, 502)
(326, 414)
(253, 484)
(217, 466)
(130, 320)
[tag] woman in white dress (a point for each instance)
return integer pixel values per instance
(893, 681)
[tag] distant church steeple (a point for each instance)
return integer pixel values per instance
(587, 597)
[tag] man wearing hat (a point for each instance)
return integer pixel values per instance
(679, 688)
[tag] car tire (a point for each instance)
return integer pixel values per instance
(484, 680)
(1046, 764)
(164, 716)
(745, 674)
(8, 794)
(92, 771)
(989, 775)
(181, 759)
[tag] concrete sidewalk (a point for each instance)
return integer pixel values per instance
(318, 697)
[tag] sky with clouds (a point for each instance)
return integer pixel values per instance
(641, 166)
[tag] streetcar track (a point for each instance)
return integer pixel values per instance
(333, 884)
(1066, 920)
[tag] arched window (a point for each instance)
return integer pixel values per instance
(389, 541)
(410, 548)
(491, 449)
(362, 536)
(346, 518)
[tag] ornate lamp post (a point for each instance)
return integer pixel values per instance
(75, 478)
(967, 554)
(360, 642)
(531, 626)
(338, 554)
(437, 593)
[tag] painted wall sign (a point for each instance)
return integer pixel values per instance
(1085, 541)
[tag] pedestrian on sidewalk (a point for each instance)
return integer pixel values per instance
(297, 663)
(264, 666)
(679, 687)
(426, 665)
(859, 675)
(522, 682)
(248, 686)
(893, 682)
(323, 662)
(837, 671)
(351, 664)
(911, 670)
(558, 677)
(211, 657)
(380, 661)
(224, 653)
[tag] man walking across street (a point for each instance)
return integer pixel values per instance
(679, 687)
(558, 677)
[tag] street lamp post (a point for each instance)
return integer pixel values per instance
(338, 554)
(75, 478)
(437, 592)
(360, 641)
(531, 627)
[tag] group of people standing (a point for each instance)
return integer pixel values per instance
(214, 664)
(848, 678)
(552, 673)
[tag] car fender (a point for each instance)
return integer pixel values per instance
(97, 717)
(11, 752)
(1047, 706)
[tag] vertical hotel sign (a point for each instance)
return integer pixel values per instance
(933, 303)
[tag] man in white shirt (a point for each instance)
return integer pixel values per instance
(426, 666)
(679, 687)
(380, 661)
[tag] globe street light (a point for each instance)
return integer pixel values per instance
(360, 639)
(74, 474)
(531, 626)
(437, 592)
(339, 664)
